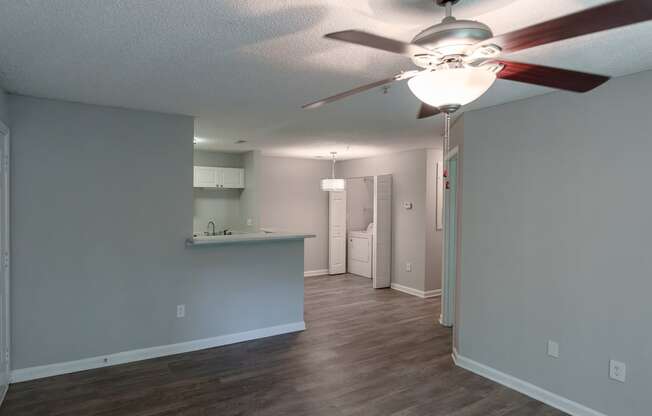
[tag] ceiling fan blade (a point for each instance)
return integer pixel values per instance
(605, 17)
(546, 76)
(398, 77)
(427, 111)
(379, 42)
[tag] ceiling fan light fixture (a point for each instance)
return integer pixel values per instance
(452, 86)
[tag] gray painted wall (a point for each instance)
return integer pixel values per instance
(292, 200)
(4, 108)
(220, 206)
(556, 242)
(409, 185)
(102, 203)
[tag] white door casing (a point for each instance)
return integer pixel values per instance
(337, 232)
(449, 246)
(4, 260)
(382, 233)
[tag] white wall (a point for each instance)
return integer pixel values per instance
(409, 170)
(556, 235)
(291, 200)
(250, 202)
(101, 206)
(217, 159)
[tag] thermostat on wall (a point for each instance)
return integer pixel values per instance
(407, 205)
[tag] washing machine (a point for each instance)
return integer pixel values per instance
(360, 252)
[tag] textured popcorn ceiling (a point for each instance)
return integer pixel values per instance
(244, 67)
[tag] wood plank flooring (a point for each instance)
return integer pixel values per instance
(365, 352)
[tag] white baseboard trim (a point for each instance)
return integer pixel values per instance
(3, 393)
(31, 373)
(311, 273)
(535, 392)
(416, 292)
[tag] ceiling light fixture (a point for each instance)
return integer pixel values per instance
(333, 184)
(452, 86)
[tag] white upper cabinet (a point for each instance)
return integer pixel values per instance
(205, 177)
(232, 177)
(224, 178)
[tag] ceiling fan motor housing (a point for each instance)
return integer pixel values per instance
(451, 37)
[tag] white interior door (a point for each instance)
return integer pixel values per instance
(4, 260)
(337, 232)
(382, 240)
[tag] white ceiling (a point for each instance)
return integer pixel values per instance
(244, 67)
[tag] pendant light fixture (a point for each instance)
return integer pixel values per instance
(333, 184)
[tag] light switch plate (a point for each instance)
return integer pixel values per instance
(408, 267)
(553, 349)
(617, 371)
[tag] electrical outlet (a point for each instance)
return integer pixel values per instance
(181, 311)
(553, 349)
(250, 222)
(617, 371)
(408, 267)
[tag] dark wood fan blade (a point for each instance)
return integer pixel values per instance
(597, 19)
(351, 92)
(379, 42)
(427, 111)
(546, 76)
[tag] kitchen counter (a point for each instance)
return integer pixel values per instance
(245, 237)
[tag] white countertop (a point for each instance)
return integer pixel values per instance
(245, 237)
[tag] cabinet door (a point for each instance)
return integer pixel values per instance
(232, 177)
(205, 177)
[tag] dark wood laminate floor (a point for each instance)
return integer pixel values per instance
(366, 352)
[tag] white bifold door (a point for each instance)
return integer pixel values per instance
(382, 232)
(382, 236)
(337, 232)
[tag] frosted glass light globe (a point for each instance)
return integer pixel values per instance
(332, 184)
(452, 86)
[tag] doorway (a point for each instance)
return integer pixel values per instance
(4, 260)
(360, 229)
(449, 263)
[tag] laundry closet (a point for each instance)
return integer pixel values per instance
(360, 229)
(360, 225)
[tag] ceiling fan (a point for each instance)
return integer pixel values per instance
(460, 59)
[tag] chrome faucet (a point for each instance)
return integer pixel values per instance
(207, 226)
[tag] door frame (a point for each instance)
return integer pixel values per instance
(382, 279)
(5, 246)
(447, 317)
